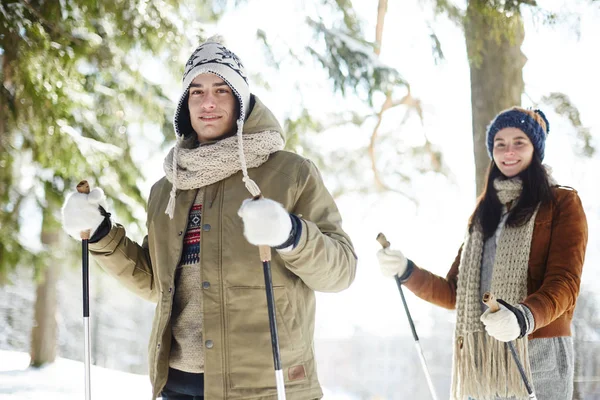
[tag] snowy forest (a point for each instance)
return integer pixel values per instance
(390, 99)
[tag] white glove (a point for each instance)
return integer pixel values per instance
(266, 222)
(80, 212)
(502, 324)
(392, 262)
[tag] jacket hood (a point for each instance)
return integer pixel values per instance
(261, 119)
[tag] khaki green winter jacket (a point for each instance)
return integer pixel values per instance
(238, 356)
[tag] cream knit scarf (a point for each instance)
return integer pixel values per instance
(204, 165)
(482, 367)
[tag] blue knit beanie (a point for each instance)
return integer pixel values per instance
(515, 118)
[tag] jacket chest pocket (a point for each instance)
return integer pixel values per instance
(249, 340)
(165, 245)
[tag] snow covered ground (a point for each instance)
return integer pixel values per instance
(64, 380)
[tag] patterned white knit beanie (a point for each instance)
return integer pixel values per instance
(213, 57)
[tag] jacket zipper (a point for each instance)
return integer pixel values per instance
(172, 286)
(222, 287)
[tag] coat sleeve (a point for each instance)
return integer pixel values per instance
(324, 257)
(560, 286)
(434, 288)
(127, 261)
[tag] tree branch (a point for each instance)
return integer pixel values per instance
(381, 11)
(50, 26)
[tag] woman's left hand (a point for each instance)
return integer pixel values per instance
(506, 324)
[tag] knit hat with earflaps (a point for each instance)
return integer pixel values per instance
(212, 57)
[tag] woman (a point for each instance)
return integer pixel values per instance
(526, 244)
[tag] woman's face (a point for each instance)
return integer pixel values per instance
(513, 151)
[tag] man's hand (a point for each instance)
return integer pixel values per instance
(81, 212)
(266, 222)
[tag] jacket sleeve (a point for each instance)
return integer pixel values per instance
(126, 261)
(564, 265)
(324, 257)
(434, 288)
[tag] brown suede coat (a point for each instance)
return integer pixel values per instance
(555, 264)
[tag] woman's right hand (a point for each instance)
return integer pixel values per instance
(392, 262)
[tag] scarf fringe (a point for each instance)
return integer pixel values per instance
(484, 369)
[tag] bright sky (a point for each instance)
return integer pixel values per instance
(558, 61)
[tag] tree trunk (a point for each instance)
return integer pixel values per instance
(45, 329)
(496, 64)
(7, 204)
(5, 112)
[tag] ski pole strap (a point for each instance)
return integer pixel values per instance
(295, 234)
(410, 266)
(104, 228)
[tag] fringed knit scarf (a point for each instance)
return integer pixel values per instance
(204, 165)
(482, 367)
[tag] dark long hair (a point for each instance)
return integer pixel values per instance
(536, 190)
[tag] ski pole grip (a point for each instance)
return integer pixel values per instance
(490, 300)
(84, 187)
(263, 251)
(383, 241)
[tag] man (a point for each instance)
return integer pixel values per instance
(199, 262)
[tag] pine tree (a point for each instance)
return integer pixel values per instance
(71, 84)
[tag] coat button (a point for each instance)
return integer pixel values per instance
(206, 227)
(205, 284)
(180, 233)
(209, 344)
(170, 289)
(158, 346)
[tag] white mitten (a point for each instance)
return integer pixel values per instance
(392, 262)
(266, 222)
(80, 212)
(502, 324)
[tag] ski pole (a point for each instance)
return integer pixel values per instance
(490, 300)
(84, 187)
(385, 244)
(265, 257)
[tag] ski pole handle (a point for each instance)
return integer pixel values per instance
(386, 244)
(490, 300)
(84, 187)
(383, 240)
(263, 251)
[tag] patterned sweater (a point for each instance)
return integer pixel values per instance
(187, 350)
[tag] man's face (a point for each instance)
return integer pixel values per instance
(213, 108)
